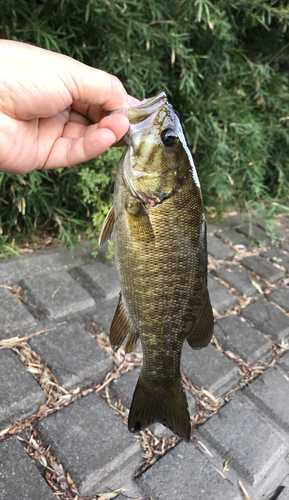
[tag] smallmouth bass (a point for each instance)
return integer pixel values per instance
(161, 258)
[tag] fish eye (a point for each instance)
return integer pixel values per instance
(168, 138)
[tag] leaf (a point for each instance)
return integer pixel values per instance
(257, 286)
(243, 489)
(206, 450)
(109, 495)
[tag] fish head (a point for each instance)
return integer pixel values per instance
(157, 161)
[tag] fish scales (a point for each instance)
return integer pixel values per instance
(161, 280)
(161, 258)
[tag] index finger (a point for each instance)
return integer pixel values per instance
(93, 86)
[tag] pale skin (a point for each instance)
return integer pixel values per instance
(54, 109)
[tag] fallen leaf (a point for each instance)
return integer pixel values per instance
(108, 496)
(206, 450)
(257, 286)
(243, 489)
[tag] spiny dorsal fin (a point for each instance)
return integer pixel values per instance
(202, 332)
(121, 326)
(107, 228)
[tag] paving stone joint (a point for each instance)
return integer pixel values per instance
(237, 388)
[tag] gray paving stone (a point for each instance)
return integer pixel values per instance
(280, 297)
(267, 318)
(222, 299)
(185, 473)
(284, 362)
(211, 228)
(275, 255)
(235, 335)
(284, 494)
(122, 478)
(41, 262)
(255, 232)
(124, 387)
(105, 276)
(239, 279)
(104, 314)
(269, 393)
(284, 239)
(284, 221)
(263, 268)
(72, 354)
(90, 441)
(233, 237)
(85, 281)
(209, 369)
(14, 317)
(20, 394)
(278, 233)
(247, 438)
(218, 249)
(285, 246)
(59, 294)
(19, 477)
(234, 221)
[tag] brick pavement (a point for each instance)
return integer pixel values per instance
(65, 395)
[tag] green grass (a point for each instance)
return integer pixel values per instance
(224, 65)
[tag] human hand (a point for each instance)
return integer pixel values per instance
(53, 109)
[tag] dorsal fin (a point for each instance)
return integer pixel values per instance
(122, 326)
(203, 329)
(107, 228)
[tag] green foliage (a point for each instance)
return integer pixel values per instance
(96, 185)
(225, 67)
(41, 201)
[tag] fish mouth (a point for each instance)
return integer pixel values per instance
(146, 108)
(141, 117)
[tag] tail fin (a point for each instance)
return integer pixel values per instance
(167, 405)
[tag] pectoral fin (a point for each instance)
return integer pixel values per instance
(122, 326)
(107, 228)
(139, 221)
(202, 332)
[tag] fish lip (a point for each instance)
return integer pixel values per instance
(141, 112)
(145, 111)
(151, 100)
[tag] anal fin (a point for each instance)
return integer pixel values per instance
(122, 326)
(107, 228)
(131, 341)
(202, 332)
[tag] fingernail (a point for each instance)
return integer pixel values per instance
(123, 111)
(132, 101)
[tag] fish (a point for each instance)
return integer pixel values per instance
(160, 244)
